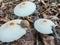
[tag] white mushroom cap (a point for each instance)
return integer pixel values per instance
(54, 4)
(59, 4)
(10, 31)
(25, 8)
(44, 26)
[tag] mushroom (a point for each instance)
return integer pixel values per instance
(54, 4)
(25, 8)
(44, 26)
(11, 31)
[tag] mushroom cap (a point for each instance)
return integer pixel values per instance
(59, 4)
(44, 26)
(53, 4)
(11, 31)
(25, 8)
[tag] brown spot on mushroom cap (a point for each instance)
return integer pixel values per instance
(23, 3)
(44, 21)
(11, 23)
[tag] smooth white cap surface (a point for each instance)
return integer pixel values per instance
(44, 26)
(10, 31)
(24, 9)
